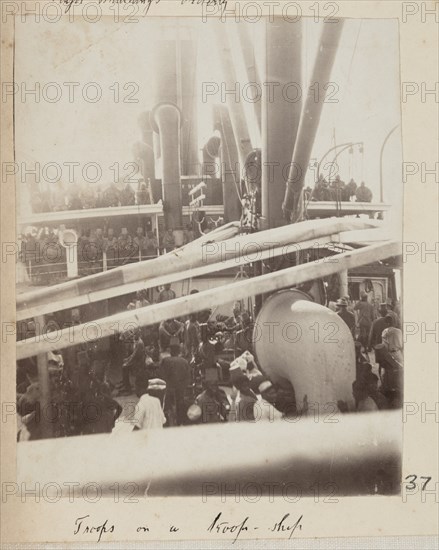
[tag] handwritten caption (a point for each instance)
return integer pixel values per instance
(69, 5)
(286, 525)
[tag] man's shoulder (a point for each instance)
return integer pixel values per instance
(147, 399)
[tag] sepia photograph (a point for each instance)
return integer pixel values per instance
(210, 238)
(209, 260)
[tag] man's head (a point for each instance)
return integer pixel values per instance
(342, 304)
(76, 314)
(363, 297)
(388, 320)
(383, 310)
(249, 358)
(168, 286)
(155, 355)
(139, 231)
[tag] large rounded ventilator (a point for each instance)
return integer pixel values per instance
(310, 346)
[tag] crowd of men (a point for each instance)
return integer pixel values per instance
(177, 362)
(379, 340)
(201, 368)
(63, 196)
(366, 323)
(338, 190)
(44, 257)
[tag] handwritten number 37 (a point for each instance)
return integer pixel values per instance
(412, 484)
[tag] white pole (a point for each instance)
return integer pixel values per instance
(359, 440)
(72, 260)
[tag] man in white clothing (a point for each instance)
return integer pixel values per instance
(149, 414)
(392, 339)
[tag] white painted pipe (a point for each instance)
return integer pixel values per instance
(150, 315)
(282, 450)
(203, 251)
(309, 346)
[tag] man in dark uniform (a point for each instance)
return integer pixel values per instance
(177, 374)
(363, 193)
(134, 362)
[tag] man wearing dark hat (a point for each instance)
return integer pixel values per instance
(134, 362)
(347, 316)
(282, 398)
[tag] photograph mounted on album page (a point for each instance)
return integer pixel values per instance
(219, 277)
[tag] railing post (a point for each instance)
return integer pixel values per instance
(44, 382)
